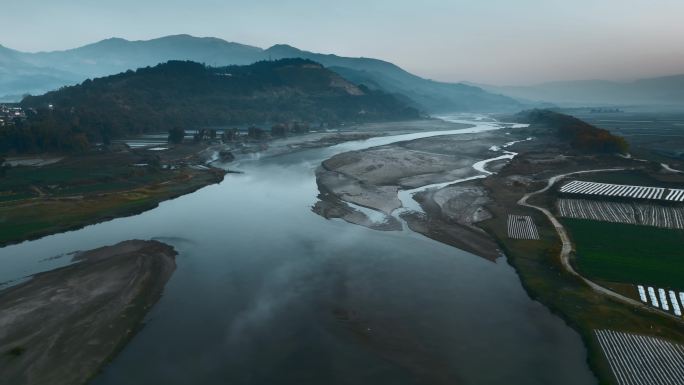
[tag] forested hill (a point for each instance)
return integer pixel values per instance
(579, 134)
(191, 95)
(35, 73)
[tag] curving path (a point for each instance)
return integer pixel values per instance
(567, 248)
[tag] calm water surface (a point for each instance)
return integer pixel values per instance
(267, 292)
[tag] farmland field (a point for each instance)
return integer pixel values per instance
(621, 190)
(660, 216)
(522, 227)
(597, 210)
(657, 135)
(636, 359)
(668, 300)
(78, 175)
(619, 252)
(620, 212)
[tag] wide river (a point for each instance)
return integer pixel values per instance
(267, 292)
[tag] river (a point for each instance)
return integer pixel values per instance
(267, 292)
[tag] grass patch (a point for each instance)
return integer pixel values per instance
(79, 175)
(26, 220)
(16, 351)
(628, 253)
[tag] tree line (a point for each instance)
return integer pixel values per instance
(581, 135)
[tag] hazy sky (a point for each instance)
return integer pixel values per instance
(490, 41)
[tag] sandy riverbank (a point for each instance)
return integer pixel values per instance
(61, 326)
(326, 138)
(372, 178)
(451, 217)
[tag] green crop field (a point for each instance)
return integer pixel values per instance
(78, 176)
(628, 253)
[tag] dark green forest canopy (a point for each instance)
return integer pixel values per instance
(581, 135)
(192, 95)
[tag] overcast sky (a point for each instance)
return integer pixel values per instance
(488, 41)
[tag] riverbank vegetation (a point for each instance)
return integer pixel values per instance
(90, 188)
(580, 135)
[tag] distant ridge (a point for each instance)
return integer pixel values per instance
(430, 95)
(39, 72)
(661, 91)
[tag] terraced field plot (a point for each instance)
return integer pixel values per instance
(522, 227)
(648, 214)
(617, 252)
(642, 360)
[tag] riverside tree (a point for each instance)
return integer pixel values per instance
(176, 135)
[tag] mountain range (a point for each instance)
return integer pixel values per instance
(36, 73)
(657, 91)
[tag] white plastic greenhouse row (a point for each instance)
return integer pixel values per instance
(613, 190)
(597, 210)
(642, 360)
(675, 195)
(522, 227)
(648, 214)
(661, 300)
(660, 216)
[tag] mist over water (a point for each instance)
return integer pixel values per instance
(268, 292)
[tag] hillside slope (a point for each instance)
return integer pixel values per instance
(18, 77)
(578, 134)
(191, 95)
(428, 94)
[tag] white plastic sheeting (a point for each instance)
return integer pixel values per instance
(642, 360)
(647, 214)
(667, 299)
(675, 195)
(675, 304)
(642, 294)
(652, 295)
(522, 227)
(613, 190)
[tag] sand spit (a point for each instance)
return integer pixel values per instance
(373, 177)
(451, 215)
(61, 326)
